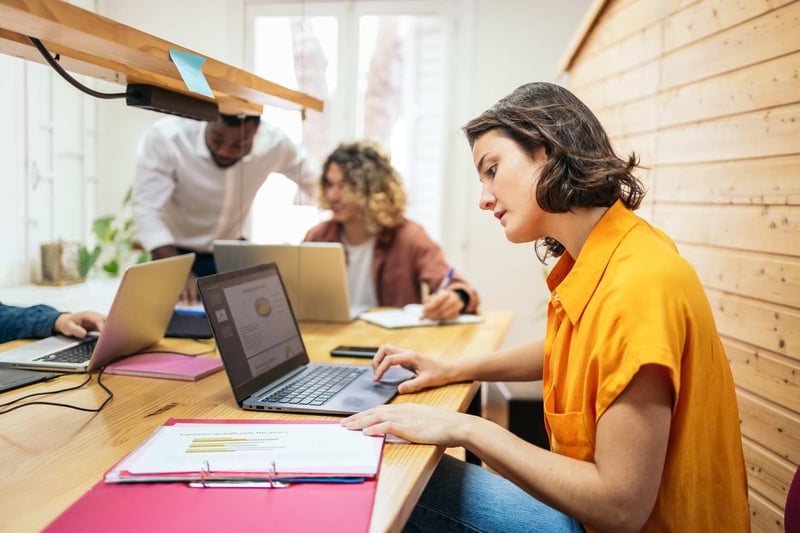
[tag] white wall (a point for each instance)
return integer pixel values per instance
(503, 43)
(512, 42)
(13, 268)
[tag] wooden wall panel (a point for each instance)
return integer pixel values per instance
(761, 86)
(772, 327)
(634, 117)
(770, 181)
(750, 135)
(771, 278)
(772, 229)
(635, 50)
(771, 426)
(621, 20)
(766, 473)
(766, 84)
(765, 516)
(707, 18)
(764, 373)
(630, 85)
(735, 47)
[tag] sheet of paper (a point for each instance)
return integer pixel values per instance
(409, 316)
(294, 448)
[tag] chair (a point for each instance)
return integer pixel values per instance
(791, 513)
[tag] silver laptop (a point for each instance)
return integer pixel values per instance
(138, 318)
(315, 275)
(264, 356)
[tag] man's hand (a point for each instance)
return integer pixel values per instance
(189, 295)
(78, 324)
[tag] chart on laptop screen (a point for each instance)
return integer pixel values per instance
(261, 317)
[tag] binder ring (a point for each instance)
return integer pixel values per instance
(205, 472)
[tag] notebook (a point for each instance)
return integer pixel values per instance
(138, 318)
(166, 365)
(315, 275)
(264, 355)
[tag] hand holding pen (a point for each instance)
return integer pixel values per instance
(443, 304)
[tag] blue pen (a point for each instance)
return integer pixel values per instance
(447, 279)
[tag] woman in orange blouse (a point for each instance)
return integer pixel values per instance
(639, 399)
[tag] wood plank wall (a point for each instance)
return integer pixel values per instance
(708, 93)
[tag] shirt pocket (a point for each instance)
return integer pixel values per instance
(568, 436)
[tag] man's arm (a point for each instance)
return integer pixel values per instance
(26, 322)
(153, 185)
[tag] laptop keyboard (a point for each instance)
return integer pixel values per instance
(316, 386)
(80, 353)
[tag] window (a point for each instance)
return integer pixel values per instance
(380, 68)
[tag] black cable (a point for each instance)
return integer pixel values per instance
(56, 404)
(64, 74)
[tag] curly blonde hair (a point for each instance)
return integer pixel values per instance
(370, 181)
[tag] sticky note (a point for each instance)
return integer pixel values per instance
(190, 67)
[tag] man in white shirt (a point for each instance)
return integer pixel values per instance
(195, 182)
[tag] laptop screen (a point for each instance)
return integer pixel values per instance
(254, 326)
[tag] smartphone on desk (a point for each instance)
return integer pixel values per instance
(366, 352)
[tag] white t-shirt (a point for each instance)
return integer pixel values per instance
(181, 197)
(359, 272)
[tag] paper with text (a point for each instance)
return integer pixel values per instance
(323, 448)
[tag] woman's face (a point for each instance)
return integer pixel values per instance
(344, 211)
(508, 175)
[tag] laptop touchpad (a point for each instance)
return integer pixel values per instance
(396, 374)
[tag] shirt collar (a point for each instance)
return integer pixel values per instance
(200, 146)
(573, 282)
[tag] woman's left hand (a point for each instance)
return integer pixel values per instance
(413, 422)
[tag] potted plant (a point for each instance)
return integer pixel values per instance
(116, 245)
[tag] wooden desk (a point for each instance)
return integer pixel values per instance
(50, 456)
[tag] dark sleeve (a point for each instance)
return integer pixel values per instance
(26, 322)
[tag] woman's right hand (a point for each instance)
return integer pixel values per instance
(429, 372)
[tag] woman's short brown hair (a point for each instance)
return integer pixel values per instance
(370, 181)
(582, 169)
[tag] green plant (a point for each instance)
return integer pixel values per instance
(116, 245)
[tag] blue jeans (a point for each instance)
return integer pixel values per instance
(465, 497)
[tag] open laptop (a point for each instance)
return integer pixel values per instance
(138, 317)
(264, 355)
(315, 275)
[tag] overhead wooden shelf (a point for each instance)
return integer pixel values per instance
(96, 46)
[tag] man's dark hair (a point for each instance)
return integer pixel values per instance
(238, 120)
(582, 169)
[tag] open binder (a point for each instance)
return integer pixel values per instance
(211, 452)
(163, 502)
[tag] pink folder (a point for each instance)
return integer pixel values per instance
(171, 507)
